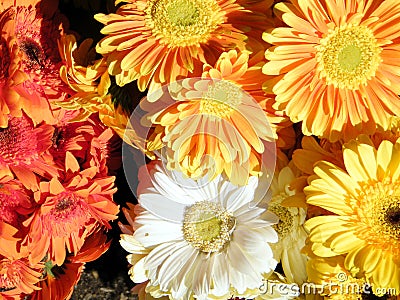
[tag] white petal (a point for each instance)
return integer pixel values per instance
(172, 265)
(163, 207)
(159, 254)
(130, 244)
(138, 272)
(153, 234)
(220, 275)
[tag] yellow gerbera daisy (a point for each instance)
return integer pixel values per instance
(157, 41)
(338, 65)
(365, 200)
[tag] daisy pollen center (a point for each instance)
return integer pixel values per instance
(286, 218)
(181, 23)
(207, 226)
(221, 99)
(348, 56)
(382, 213)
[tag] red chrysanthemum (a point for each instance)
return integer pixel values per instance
(22, 150)
(72, 207)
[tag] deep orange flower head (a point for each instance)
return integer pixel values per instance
(10, 65)
(90, 142)
(37, 37)
(18, 277)
(23, 149)
(72, 207)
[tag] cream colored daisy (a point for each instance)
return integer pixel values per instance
(292, 234)
(198, 238)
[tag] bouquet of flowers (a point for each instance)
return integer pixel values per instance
(265, 135)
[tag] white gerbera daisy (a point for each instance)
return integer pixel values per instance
(199, 238)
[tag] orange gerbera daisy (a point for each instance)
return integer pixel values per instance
(90, 142)
(10, 73)
(157, 41)
(59, 281)
(209, 126)
(22, 151)
(365, 200)
(18, 277)
(37, 39)
(14, 202)
(337, 64)
(245, 71)
(72, 207)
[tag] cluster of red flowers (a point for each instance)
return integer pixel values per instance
(56, 192)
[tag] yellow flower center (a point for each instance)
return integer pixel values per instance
(207, 226)
(180, 23)
(221, 99)
(348, 56)
(380, 210)
(286, 218)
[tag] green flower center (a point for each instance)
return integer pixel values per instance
(207, 226)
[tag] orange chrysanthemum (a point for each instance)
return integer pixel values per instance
(37, 39)
(18, 277)
(72, 207)
(10, 74)
(15, 203)
(22, 151)
(156, 42)
(337, 64)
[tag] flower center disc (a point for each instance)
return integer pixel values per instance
(382, 214)
(348, 56)
(207, 226)
(286, 219)
(221, 99)
(181, 23)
